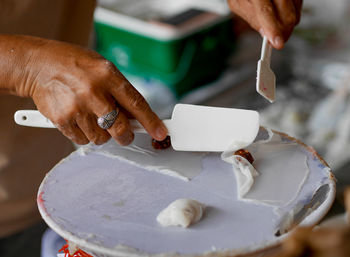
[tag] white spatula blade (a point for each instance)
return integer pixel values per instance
(203, 128)
(266, 81)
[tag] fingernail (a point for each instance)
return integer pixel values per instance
(161, 132)
(278, 41)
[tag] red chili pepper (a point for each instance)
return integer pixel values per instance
(78, 253)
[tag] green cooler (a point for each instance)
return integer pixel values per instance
(181, 44)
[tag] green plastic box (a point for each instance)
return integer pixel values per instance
(181, 59)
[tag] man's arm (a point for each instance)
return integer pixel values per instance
(72, 86)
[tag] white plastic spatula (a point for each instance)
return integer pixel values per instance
(266, 80)
(191, 128)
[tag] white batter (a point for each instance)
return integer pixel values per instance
(275, 161)
(244, 172)
(181, 212)
(183, 165)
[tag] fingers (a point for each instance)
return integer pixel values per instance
(101, 104)
(286, 12)
(85, 129)
(121, 130)
(298, 5)
(131, 100)
(88, 125)
(269, 25)
(83, 87)
(73, 132)
(288, 16)
(274, 19)
(240, 7)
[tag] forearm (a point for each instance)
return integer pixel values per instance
(17, 71)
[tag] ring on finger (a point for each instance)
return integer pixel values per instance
(106, 121)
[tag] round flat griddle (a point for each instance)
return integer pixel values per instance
(108, 206)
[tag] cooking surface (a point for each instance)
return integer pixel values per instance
(100, 202)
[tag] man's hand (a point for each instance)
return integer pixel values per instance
(72, 86)
(274, 19)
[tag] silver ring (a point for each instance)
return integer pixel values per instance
(106, 121)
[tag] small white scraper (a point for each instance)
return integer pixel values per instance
(266, 80)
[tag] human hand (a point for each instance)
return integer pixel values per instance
(72, 86)
(322, 242)
(319, 242)
(274, 19)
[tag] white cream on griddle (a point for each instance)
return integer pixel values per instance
(183, 165)
(275, 178)
(278, 173)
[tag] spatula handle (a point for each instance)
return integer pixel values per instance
(33, 118)
(266, 50)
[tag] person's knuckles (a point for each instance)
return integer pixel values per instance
(105, 73)
(88, 124)
(66, 116)
(265, 10)
(105, 67)
(96, 84)
(102, 136)
(121, 130)
(138, 103)
(89, 90)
